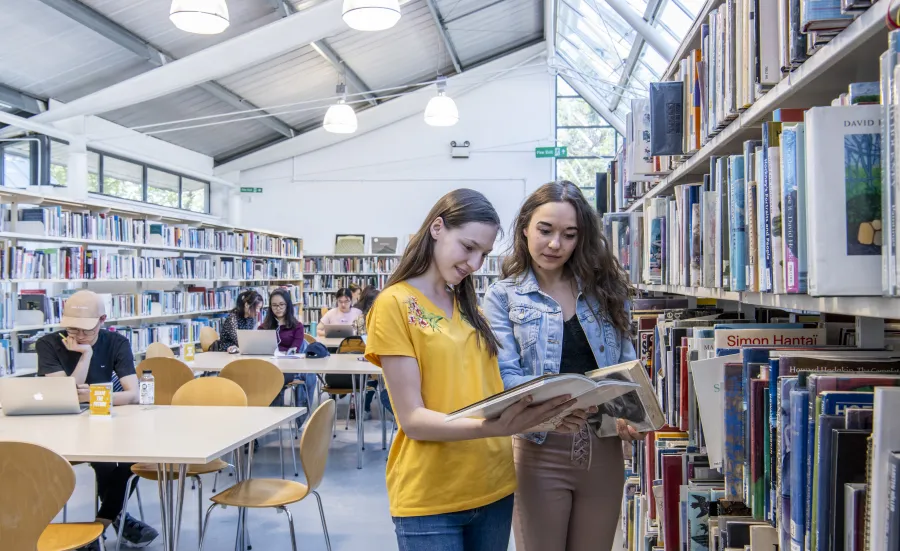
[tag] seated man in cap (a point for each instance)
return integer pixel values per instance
(88, 353)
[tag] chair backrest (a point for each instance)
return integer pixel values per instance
(169, 374)
(315, 443)
(309, 338)
(210, 391)
(261, 380)
(158, 350)
(208, 335)
(36, 484)
(352, 345)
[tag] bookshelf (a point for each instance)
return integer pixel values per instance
(163, 277)
(851, 56)
(324, 274)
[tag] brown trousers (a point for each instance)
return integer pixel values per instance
(563, 503)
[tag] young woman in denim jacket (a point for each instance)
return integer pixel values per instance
(562, 306)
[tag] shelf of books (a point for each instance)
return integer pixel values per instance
(161, 278)
(323, 275)
(761, 177)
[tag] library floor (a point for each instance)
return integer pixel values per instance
(355, 501)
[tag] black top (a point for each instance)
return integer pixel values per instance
(111, 361)
(230, 326)
(577, 356)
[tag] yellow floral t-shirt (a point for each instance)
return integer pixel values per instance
(430, 478)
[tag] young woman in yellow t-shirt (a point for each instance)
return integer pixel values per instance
(450, 485)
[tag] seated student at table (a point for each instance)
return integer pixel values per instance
(290, 335)
(343, 314)
(90, 354)
(243, 316)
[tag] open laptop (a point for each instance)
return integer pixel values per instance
(338, 331)
(39, 396)
(257, 343)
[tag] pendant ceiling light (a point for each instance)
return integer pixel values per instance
(441, 109)
(340, 118)
(371, 15)
(200, 16)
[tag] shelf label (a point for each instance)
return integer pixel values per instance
(251, 190)
(549, 152)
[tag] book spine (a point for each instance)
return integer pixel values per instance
(776, 219)
(893, 515)
(738, 225)
(799, 403)
(753, 272)
(734, 433)
(765, 215)
(790, 211)
(888, 165)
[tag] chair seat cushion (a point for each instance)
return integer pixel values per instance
(65, 537)
(262, 492)
(148, 470)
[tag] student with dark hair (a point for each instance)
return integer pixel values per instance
(343, 314)
(243, 316)
(561, 306)
(450, 485)
(290, 333)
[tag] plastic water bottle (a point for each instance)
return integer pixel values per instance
(147, 391)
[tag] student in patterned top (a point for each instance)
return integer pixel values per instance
(343, 314)
(243, 316)
(450, 485)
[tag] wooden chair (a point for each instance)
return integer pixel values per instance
(158, 350)
(208, 336)
(206, 391)
(36, 484)
(169, 374)
(352, 345)
(337, 385)
(309, 338)
(258, 493)
(262, 381)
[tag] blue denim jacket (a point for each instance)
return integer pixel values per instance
(529, 325)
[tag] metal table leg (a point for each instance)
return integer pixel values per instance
(171, 499)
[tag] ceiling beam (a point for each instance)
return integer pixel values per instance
(640, 25)
(118, 34)
(222, 59)
(633, 55)
(387, 113)
(588, 94)
(21, 101)
(472, 12)
(285, 9)
(442, 31)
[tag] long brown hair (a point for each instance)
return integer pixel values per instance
(592, 262)
(457, 208)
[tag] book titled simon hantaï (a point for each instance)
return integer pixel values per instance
(844, 205)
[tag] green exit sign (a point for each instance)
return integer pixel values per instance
(551, 152)
(251, 190)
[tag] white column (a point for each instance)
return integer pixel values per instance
(234, 207)
(77, 170)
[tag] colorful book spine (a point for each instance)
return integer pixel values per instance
(698, 519)
(893, 515)
(733, 459)
(799, 405)
(783, 472)
(738, 225)
(753, 272)
(790, 209)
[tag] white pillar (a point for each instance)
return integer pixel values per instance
(78, 168)
(234, 207)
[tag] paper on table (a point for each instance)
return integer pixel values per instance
(709, 377)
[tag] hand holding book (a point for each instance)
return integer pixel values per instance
(522, 415)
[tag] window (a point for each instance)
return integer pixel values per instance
(590, 141)
(93, 166)
(162, 188)
(17, 166)
(194, 195)
(122, 179)
(59, 163)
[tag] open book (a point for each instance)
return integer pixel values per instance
(619, 391)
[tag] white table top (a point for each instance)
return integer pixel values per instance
(330, 342)
(152, 434)
(348, 364)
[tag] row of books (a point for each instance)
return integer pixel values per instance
(58, 222)
(18, 262)
(330, 283)
(360, 264)
(755, 224)
(767, 426)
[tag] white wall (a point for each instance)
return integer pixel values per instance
(384, 182)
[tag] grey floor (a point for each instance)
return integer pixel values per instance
(355, 501)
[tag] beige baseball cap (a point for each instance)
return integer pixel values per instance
(82, 310)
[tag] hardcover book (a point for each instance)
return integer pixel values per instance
(666, 112)
(738, 228)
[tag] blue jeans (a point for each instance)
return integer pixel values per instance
(483, 529)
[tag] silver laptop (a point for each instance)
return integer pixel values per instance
(257, 343)
(39, 396)
(338, 331)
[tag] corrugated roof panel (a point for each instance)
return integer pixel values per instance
(496, 29)
(213, 140)
(45, 53)
(451, 9)
(298, 76)
(149, 19)
(407, 53)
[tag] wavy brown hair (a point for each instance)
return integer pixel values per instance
(592, 262)
(457, 208)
